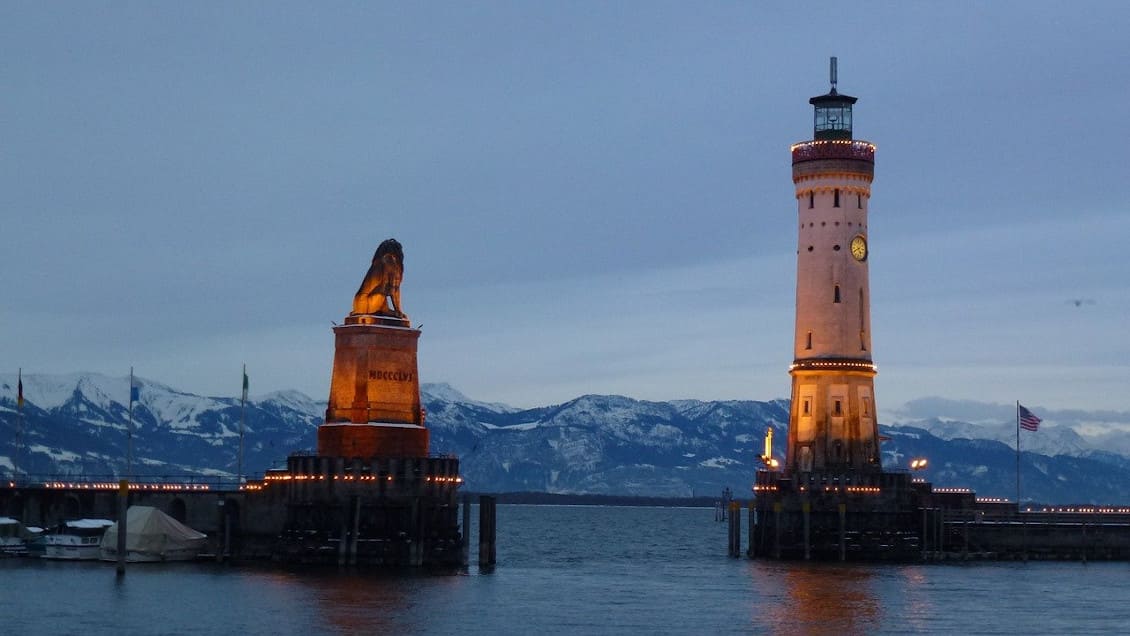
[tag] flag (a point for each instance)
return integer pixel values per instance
(245, 384)
(1028, 421)
(20, 391)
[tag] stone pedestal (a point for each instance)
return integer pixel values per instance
(374, 406)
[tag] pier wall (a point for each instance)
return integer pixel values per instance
(381, 511)
(894, 517)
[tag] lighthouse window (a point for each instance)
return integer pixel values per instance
(836, 296)
(807, 407)
(836, 200)
(808, 341)
(858, 201)
(837, 408)
(811, 199)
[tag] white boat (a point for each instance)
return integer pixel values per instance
(77, 540)
(152, 536)
(13, 537)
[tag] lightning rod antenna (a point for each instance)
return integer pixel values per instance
(832, 73)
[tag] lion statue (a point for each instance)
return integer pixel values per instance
(379, 293)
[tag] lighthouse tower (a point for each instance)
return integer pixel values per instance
(832, 423)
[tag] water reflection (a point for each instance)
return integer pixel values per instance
(356, 603)
(812, 598)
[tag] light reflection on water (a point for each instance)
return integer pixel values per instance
(574, 570)
(816, 599)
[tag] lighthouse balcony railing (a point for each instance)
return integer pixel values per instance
(833, 149)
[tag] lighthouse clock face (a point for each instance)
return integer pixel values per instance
(859, 248)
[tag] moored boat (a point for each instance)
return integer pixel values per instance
(152, 536)
(13, 537)
(76, 540)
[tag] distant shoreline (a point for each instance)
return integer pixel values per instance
(546, 498)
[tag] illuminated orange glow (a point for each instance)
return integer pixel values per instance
(116, 485)
(836, 364)
(1120, 511)
(442, 479)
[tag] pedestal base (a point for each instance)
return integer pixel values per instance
(372, 439)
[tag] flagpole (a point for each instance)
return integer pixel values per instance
(1018, 454)
(129, 431)
(20, 424)
(242, 411)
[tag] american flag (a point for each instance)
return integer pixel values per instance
(1028, 421)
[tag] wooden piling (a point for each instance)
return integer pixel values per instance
(940, 537)
(416, 537)
(1083, 545)
(123, 509)
(776, 530)
(735, 518)
(925, 536)
(806, 508)
(227, 533)
(843, 531)
(486, 532)
(964, 538)
(356, 530)
(343, 542)
(466, 538)
(751, 537)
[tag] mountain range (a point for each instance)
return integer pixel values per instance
(78, 425)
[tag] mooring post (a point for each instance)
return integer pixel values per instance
(1084, 546)
(486, 532)
(925, 536)
(941, 537)
(735, 529)
(343, 542)
(806, 508)
(416, 548)
(1023, 534)
(776, 530)
(751, 537)
(965, 538)
(466, 530)
(356, 530)
(730, 537)
(227, 533)
(843, 530)
(220, 523)
(123, 509)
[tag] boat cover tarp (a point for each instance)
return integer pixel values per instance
(152, 532)
(10, 527)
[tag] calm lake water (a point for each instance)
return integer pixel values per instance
(575, 570)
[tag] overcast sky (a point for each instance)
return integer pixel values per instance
(592, 197)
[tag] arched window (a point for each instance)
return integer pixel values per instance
(836, 296)
(836, 200)
(811, 199)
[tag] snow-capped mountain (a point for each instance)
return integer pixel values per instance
(77, 425)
